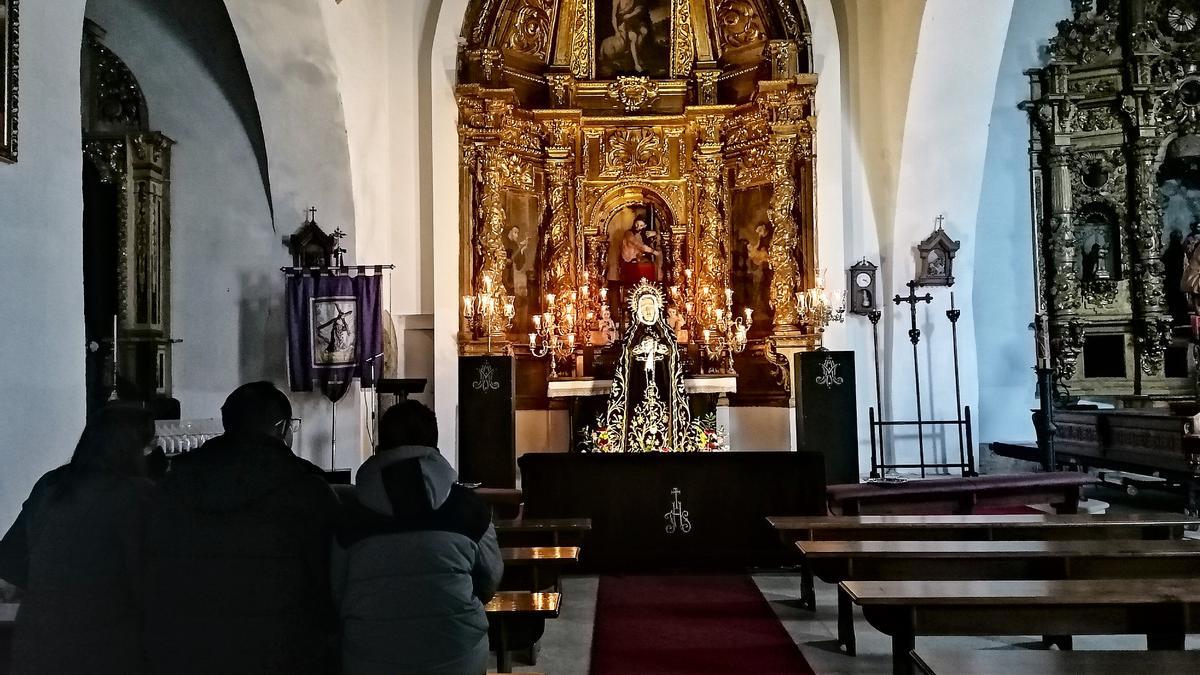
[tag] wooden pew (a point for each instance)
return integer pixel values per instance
(539, 558)
(505, 502)
(960, 495)
(1164, 610)
(1034, 662)
(544, 530)
(837, 561)
(972, 527)
(513, 610)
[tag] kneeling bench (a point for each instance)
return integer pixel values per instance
(516, 620)
(954, 494)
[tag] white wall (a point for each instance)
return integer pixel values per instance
(41, 237)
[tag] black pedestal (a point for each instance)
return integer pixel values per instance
(827, 412)
(487, 439)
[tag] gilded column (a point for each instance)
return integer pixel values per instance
(489, 236)
(782, 252)
(559, 265)
(710, 255)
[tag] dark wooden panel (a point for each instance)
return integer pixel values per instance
(487, 421)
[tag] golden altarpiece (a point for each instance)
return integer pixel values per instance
(682, 126)
(1115, 165)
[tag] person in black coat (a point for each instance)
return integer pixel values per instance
(237, 551)
(75, 551)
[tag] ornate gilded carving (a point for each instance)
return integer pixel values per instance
(1101, 118)
(706, 86)
(560, 133)
(683, 50)
(583, 30)
(634, 151)
(1087, 37)
(558, 262)
(492, 62)
(739, 23)
(530, 31)
(781, 55)
(781, 254)
(1063, 294)
(1099, 293)
(481, 22)
(1152, 340)
(746, 127)
(561, 86)
(753, 167)
(1066, 341)
(516, 173)
(634, 93)
(711, 253)
(489, 235)
(793, 28)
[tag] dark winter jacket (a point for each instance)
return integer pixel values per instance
(414, 562)
(237, 562)
(75, 549)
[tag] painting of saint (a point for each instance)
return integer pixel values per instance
(750, 264)
(333, 331)
(634, 37)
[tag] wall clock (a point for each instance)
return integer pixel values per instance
(862, 287)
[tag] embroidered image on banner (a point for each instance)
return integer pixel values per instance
(334, 331)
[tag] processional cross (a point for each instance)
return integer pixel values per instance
(914, 335)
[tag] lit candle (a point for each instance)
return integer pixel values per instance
(533, 339)
(687, 306)
(603, 294)
(548, 318)
(585, 278)
(583, 290)
(748, 313)
(720, 314)
(549, 299)
(706, 335)
(571, 340)
(537, 321)
(674, 291)
(467, 306)
(687, 274)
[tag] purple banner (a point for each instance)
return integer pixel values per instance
(334, 332)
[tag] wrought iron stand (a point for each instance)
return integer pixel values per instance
(962, 418)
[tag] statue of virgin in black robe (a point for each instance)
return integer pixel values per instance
(647, 407)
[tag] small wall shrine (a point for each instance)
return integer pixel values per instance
(1115, 176)
(609, 142)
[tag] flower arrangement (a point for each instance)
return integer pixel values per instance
(704, 435)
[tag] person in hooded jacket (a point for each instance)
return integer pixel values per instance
(75, 552)
(237, 551)
(414, 560)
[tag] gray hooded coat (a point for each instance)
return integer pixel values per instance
(414, 561)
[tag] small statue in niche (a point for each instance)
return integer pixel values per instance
(606, 326)
(1095, 263)
(1190, 282)
(678, 324)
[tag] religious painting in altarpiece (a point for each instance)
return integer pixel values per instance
(607, 141)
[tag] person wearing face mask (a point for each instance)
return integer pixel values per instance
(237, 551)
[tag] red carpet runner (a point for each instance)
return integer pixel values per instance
(689, 624)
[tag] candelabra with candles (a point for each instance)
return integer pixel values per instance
(589, 308)
(489, 312)
(817, 308)
(728, 333)
(554, 331)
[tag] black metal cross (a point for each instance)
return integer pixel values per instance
(912, 299)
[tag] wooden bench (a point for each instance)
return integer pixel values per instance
(1164, 610)
(538, 558)
(956, 495)
(505, 502)
(837, 561)
(510, 610)
(543, 530)
(1032, 662)
(971, 527)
